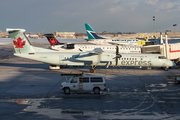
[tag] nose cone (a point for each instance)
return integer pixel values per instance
(174, 64)
(171, 64)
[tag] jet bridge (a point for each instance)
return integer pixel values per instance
(170, 51)
(151, 49)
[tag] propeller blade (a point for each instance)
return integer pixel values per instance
(117, 54)
(116, 61)
(117, 49)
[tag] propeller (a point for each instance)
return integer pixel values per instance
(117, 55)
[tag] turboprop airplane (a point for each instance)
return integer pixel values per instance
(87, 47)
(97, 57)
(95, 39)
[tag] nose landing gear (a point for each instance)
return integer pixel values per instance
(92, 69)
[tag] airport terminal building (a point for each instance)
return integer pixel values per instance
(65, 34)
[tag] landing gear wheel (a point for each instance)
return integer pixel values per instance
(96, 90)
(91, 70)
(166, 69)
(66, 90)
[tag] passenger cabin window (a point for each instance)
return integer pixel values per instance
(85, 80)
(161, 57)
(96, 79)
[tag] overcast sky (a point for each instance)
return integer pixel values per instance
(103, 15)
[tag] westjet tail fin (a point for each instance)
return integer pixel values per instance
(20, 41)
(52, 40)
(91, 33)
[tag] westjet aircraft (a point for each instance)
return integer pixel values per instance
(97, 57)
(56, 45)
(95, 39)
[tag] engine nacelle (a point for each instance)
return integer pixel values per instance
(69, 46)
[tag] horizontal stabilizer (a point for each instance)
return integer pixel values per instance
(15, 30)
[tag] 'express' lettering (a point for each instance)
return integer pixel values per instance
(139, 63)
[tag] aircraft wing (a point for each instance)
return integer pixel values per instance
(87, 56)
(113, 43)
(96, 51)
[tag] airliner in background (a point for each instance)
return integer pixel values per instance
(95, 39)
(56, 45)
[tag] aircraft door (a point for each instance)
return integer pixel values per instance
(61, 57)
(141, 61)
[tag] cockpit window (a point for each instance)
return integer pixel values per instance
(161, 57)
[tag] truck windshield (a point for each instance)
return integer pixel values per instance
(73, 80)
(70, 79)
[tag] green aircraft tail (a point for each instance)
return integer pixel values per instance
(20, 41)
(91, 33)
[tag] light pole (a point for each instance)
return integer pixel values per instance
(175, 29)
(154, 25)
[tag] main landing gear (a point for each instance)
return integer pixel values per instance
(54, 67)
(92, 69)
(166, 68)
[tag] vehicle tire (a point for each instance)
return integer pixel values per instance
(66, 90)
(96, 90)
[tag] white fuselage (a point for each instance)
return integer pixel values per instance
(114, 41)
(86, 47)
(104, 59)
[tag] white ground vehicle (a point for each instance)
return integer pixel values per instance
(84, 83)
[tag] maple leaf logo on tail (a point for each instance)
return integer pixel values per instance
(19, 43)
(53, 41)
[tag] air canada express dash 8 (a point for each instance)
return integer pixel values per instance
(96, 57)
